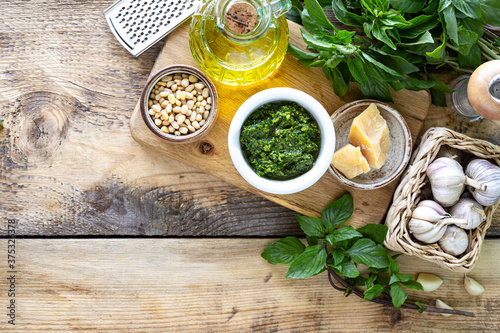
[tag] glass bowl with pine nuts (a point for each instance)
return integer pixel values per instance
(179, 104)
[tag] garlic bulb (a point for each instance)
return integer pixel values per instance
(472, 286)
(448, 181)
(454, 241)
(428, 224)
(488, 174)
(469, 210)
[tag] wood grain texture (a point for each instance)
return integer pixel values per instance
(370, 206)
(68, 164)
(167, 285)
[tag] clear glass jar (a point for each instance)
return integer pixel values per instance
(239, 42)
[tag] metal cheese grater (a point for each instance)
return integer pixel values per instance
(139, 24)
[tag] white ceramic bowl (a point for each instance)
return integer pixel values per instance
(315, 109)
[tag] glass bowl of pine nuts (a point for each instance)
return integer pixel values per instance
(179, 104)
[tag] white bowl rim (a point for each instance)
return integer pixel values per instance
(314, 108)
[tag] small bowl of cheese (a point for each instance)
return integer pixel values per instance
(373, 144)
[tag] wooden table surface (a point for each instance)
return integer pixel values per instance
(71, 172)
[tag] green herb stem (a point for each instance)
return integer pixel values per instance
(387, 301)
(492, 47)
(487, 52)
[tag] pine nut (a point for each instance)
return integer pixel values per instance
(199, 117)
(184, 109)
(177, 77)
(193, 117)
(185, 83)
(164, 94)
(156, 108)
(151, 112)
(175, 125)
(195, 124)
(164, 129)
(183, 95)
(205, 92)
(199, 86)
(171, 129)
(183, 130)
(202, 122)
(167, 78)
(165, 122)
(191, 129)
(164, 115)
(174, 87)
(171, 118)
(207, 107)
(170, 84)
(193, 79)
(177, 109)
(185, 76)
(157, 122)
(161, 83)
(190, 104)
(168, 108)
(205, 114)
(181, 119)
(189, 88)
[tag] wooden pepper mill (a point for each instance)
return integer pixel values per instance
(478, 96)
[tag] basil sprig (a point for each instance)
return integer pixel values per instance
(338, 249)
(394, 41)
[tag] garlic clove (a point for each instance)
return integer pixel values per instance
(469, 210)
(426, 214)
(432, 235)
(442, 305)
(434, 205)
(454, 241)
(487, 174)
(417, 226)
(472, 286)
(429, 282)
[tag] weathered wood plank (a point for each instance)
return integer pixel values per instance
(68, 165)
(214, 285)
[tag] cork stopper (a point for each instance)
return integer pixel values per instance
(241, 18)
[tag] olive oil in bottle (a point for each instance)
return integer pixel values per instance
(239, 42)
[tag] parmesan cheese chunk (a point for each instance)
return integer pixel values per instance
(350, 161)
(369, 131)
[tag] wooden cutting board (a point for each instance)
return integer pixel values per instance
(211, 153)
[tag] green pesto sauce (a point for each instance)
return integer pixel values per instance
(280, 140)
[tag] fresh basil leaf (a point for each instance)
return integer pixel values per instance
(366, 252)
(440, 86)
(380, 65)
(376, 232)
(393, 266)
(316, 43)
(369, 282)
(360, 281)
(367, 28)
(490, 10)
(472, 60)
(379, 32)
(439, 53)
(310, 24)
(405, 277)
(413, 285)
(466, 39)
(470, 8)
(376, 89)
(411, 83)
(284, 251)
(294, 15)
(349, 270)
(408, 6)
(311, 240)
(333, 62)
(311, 226)
(338, 257)
(398, 295)
(310, 262)
(357, 70)
(398, 64)
(340, 234)
(438, 98)
(393, 18)
(425, 38)
(451, 23)
(394, 279)
(432, 7)
(443, 4)
(301, 55)
(338, 212)
(344, 16)
(419, 25)
(373, 291)
(475, 26)
(381, 280)
(317, 14)
(297, 4)
(315, 63)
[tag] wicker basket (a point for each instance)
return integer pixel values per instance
(408, 194)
